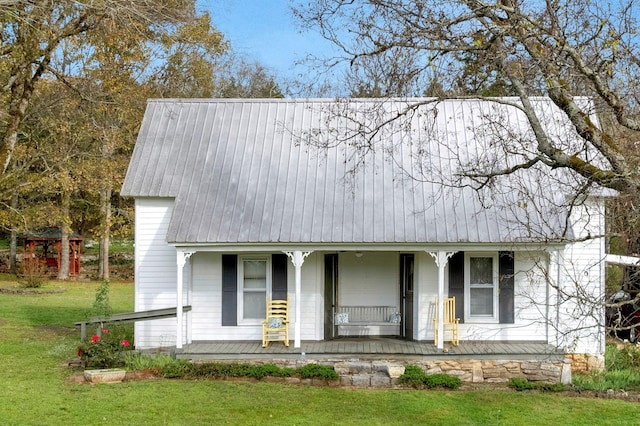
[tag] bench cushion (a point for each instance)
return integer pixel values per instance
(275, 322)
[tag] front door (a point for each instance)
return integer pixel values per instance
(406, 291)
(330, 292)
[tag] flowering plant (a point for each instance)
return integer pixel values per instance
(105, 351)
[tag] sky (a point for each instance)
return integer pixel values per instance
(265, 30)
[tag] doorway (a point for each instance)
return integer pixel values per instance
(407, 262)
(330, 293)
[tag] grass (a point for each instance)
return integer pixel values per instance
(116, 247)
(37, 337)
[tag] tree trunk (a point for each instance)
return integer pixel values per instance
(13, 244)
(63, 271)
(13, 252)
(103, 255)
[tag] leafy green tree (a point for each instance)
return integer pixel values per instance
(35, 34)
(81, 78)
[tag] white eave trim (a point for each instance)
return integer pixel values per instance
(409, 247)
(622, 260)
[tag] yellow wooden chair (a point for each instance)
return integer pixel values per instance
(450, 321)
(275, 328)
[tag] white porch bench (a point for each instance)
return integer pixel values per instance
(367, 320)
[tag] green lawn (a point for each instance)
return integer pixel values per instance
(37, 337)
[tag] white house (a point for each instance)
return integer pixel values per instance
(238, 200)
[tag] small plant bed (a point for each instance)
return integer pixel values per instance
(621, 373)
(416, 378)
(181, 369)
(521, 384)
(169, 368)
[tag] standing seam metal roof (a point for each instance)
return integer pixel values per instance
(242, 171)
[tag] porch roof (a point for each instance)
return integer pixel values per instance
(286, 171)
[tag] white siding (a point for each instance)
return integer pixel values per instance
(426, 289)
(312, 306)
(372, 279)
(570, 319)
(581, 280)
(529, 298)
(207, 301)
(155, 271)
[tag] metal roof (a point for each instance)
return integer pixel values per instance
(288, 171)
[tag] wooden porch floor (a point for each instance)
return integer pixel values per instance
(367, 348)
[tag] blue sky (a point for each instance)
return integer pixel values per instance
(265, 30)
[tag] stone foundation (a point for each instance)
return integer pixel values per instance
(583, 363)
(385, 373)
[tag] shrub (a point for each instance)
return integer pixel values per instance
(521, 384)
(213, 370)
(552, 387)
(34, 275)
(442, 381)
(626, 356)
(310, 371)
(415, 377)
(275, 371)
(105, 351)
(175, 370)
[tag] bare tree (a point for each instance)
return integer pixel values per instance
(582, 55)
(561, 49)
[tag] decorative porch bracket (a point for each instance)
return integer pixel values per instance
(181, 260)
(297, 258)
(441, 258)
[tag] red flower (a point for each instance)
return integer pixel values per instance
(95, 338)
(105, 331)
(80, 351)
(125, 343)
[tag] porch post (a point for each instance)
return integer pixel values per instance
(441, 258)
(181, 257)
(297, 258)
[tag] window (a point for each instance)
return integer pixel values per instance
(481, 287)
(254, 283)
(246, 282)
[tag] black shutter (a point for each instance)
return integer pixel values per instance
(506, 271)
(279, 276)
(456, 282)
(229, 289)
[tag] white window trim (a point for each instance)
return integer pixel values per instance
(495, 318)
(240, 303)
